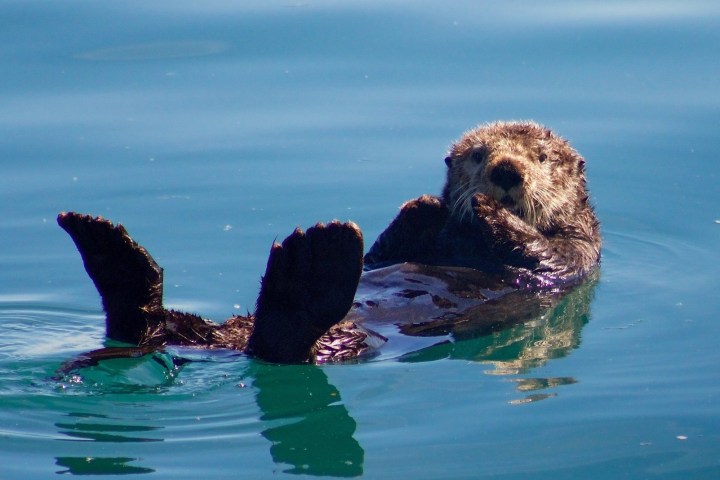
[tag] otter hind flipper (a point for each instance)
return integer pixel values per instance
(308, 287)
(127, 278)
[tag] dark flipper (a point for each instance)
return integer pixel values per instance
(126, 276)
(413, 234)
(308, 287)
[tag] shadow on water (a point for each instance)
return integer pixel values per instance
(309, 428)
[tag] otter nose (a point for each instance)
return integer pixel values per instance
(505, 175)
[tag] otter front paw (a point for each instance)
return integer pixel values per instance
(504, 232)
(491, 221)
(412, 235)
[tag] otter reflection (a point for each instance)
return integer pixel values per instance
(525, 332)
(99, 466)
(309, 428)
(312, 432)
(542, 330)
(89, 427)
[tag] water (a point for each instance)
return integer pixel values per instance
(210, 129)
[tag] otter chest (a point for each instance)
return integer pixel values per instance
(415, 306)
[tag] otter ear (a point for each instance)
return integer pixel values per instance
(448, 161)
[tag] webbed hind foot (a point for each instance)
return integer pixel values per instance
(125, 275)
(308, 287)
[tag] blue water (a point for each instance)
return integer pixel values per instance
(212, 128)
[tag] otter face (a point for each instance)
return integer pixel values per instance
(525, 167)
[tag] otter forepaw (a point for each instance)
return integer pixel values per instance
(508, 235)
(489, 218)
(412, 235)
(484, 205)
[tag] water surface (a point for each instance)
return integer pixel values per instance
(211, 129)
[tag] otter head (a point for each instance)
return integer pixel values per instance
(525, 167)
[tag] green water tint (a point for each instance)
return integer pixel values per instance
(321, 441)
(98, 428)
(309, 427)
(99, 466)
(302, 414)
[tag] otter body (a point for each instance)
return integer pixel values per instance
(512, 232)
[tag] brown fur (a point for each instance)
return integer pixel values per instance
(515, 195)
(307, 289)
(514, 207)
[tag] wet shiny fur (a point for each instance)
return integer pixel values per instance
(511, 234)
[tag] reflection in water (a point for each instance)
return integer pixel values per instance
(531, 384)
(98, 431)
(541, 329)
(535, 397)
(99, 466)
(554, 334)
(104, 431)
(310, 429)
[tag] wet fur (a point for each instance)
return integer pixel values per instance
(515, 195)
(514, 205)
(307, 289)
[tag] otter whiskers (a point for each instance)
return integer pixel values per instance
(462, 206)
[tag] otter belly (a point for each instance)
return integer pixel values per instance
(408, 307)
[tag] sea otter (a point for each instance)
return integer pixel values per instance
(512, 231)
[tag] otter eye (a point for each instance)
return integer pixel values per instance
(542, 157)
(478, 156)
